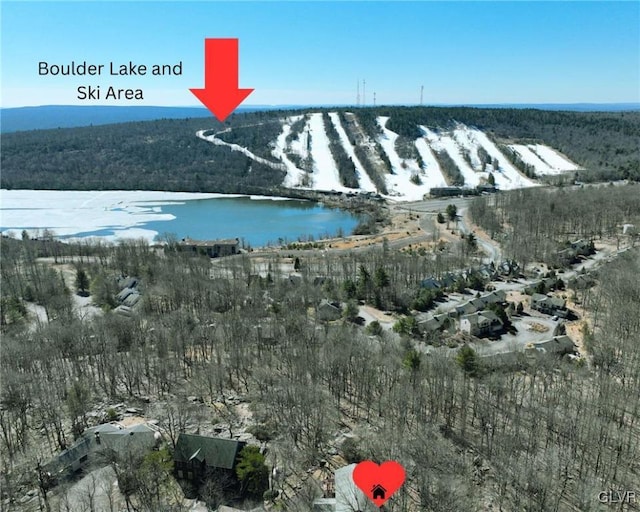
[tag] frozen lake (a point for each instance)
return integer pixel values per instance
(114, 215)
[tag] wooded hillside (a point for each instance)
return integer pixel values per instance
(540, 434)
(166, 155)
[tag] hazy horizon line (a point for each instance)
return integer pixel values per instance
(307, 105)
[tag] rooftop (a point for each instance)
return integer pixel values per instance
(209, 243)
(215, 451)
(478, 317)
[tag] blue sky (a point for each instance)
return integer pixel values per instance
(314, 52)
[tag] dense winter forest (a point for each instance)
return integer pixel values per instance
(165, 154)
(540, 434)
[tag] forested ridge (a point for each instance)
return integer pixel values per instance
(540, 434)
(166, 155)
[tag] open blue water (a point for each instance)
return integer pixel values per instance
(259, 222)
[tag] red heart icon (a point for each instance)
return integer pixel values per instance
(378, 483)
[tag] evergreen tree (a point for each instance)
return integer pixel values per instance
(467, 359)
(82, 281)
(252, 471)
(452, 211)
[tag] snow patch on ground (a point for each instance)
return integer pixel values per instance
(363, 178)
(553, 159)
(325, 172)
(38, 314)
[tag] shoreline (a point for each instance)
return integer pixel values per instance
(112, 215)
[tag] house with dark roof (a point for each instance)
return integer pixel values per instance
(132, 299)
(212, 248)
(448, 280)
(507, 267)
(445, 191)
(430, 324)
(430, 283)
(328, 310)
(575, 250)
(495, 297)
(122, 296)
(549, 305)
(488, 271)
(196, 457)
(129, 295)
(482, 323)
(477, 303)
(543, 285)
(559, 345)
(466, 308)
(127, 282)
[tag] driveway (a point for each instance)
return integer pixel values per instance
(531, 329)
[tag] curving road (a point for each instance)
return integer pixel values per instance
(491, 249)
(433, 206)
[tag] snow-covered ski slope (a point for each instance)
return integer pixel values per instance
(409, 179)
(325, 172)
(400, 184)
(295, 176)
(363, 178)
(544, 159)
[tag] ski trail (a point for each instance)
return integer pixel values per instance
(364, 181)
(235, 147)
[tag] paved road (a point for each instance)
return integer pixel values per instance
(433, 206)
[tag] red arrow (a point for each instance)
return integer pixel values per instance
(221, 94)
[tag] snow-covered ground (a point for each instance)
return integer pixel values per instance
(433, 176)
(294, 175)
(363, 178)
(468, 144)
(235, 147)
(69, 213)
(325, 172)
(300, 143)
(462, 144)
(544, 159)
(399, 183)
(465, 140)
(445, 141)
(507, 176)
